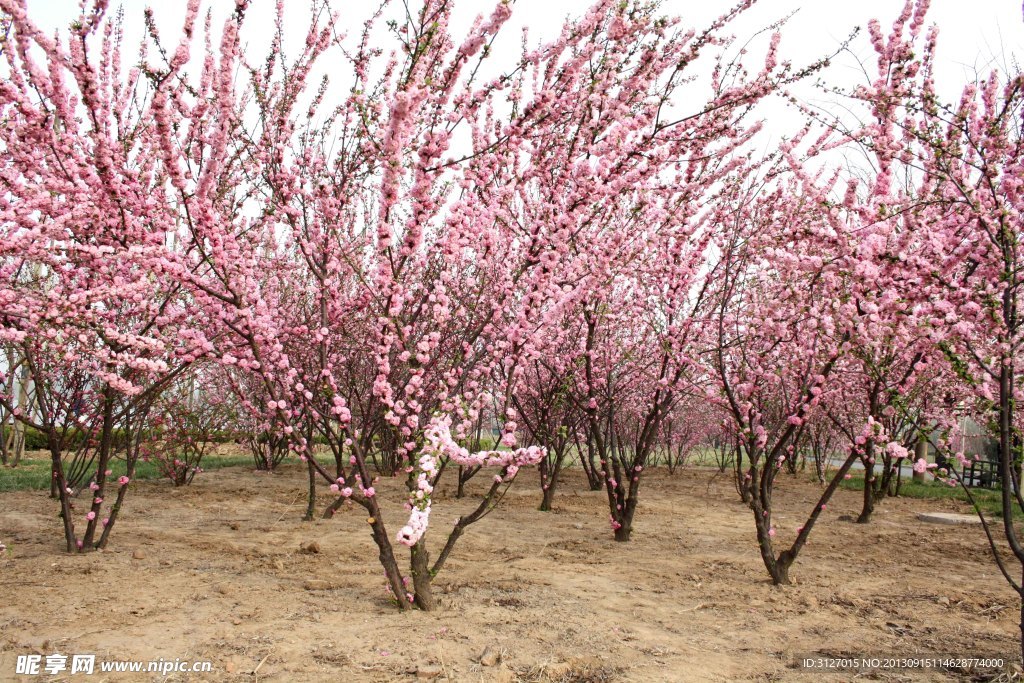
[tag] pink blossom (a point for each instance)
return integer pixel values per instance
(921, 466)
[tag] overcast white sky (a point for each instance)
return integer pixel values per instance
(967, 25)
(972, 31)
(974, 34)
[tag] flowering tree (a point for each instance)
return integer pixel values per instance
(442, 265)
(189, 419)
(776, 338)
(82, 237)
(643, 234)
(547, 409)
(970, 156)
(811, 313)
(693, 423)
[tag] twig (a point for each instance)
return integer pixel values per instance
(260, 664)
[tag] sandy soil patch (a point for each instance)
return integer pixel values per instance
(214, 572)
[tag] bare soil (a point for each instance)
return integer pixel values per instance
(214, 572)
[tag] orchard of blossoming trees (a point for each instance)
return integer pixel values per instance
(443, 267)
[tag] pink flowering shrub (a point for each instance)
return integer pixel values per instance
(189, 422)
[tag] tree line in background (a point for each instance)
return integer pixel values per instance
(582, 256)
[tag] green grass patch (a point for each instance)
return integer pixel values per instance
(34, 474)
(989, 500)
(709, 457)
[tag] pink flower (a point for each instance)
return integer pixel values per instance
(896, 450)
(91, 516)
(123, 480)
(921, 466)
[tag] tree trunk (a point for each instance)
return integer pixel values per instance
(311, 495)
(421, 577)
(780, 571)
(884, 488)
(549, 480)
(741, 480)
(115, 510)
(549, 494)
(545, 484)
(595, 480)
(819, 466)
(386, 554)
(460, 492)
(778, 567)
(1017, 448)
(105, 455)
(625, 529)
(594, 476)
(18, 429)
(868, 505)
(1021, 624)
(57, 478)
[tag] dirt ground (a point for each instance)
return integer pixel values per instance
(214, 572)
